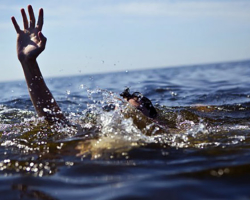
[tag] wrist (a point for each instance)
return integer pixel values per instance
(28, 63)
(30, 67)
(26, 59)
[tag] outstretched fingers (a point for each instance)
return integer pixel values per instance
(25, 20)
(32, 16)
(16, 26)
(32, 21)
(40, 20)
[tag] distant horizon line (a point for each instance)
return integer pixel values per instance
(134, 70)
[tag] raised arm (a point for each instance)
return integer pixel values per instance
(30, 43)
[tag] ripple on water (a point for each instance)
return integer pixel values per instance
(198, 145)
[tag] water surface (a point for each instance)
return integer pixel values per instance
(199, 148)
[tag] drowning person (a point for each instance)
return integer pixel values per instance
(30, 44)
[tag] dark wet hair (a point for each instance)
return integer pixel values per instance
(126, 94)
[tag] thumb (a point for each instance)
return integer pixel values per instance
(42, 38)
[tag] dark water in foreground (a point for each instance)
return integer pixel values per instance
(204, 153)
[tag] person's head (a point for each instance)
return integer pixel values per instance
(139, 101)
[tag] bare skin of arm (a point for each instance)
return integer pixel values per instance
(30, 43)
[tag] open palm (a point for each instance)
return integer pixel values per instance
(30, 40)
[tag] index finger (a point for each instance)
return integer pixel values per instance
(16, 26)
(40, 20)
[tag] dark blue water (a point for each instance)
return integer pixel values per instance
(198, 148)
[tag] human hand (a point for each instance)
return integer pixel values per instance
(30, 41)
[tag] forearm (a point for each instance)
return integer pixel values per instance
(41, 97)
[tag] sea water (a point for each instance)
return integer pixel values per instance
(197, 148)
